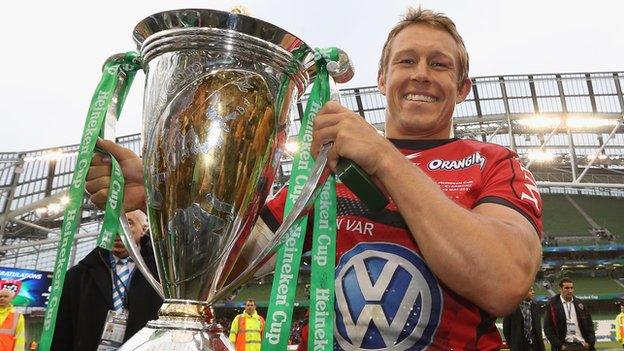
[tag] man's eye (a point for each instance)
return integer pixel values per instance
(407, 61)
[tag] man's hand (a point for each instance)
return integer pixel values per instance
(98, 178)
(353, 138)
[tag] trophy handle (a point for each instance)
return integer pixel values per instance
(303, 204)
(135, 254)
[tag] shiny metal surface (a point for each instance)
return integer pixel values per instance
(218, 90)
(342, 70)
(215, 120)
(208, 167)
(301, 207)
(180, 327)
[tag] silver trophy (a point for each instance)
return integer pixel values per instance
(219, 88)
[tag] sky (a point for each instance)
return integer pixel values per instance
(52, 51)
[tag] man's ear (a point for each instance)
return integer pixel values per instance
(464, 89)
(381, 82)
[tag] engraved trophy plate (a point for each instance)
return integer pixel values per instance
(218, 90)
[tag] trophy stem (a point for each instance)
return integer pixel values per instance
(181, 325)
(188, 313)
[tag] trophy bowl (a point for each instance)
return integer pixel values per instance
(219, 87)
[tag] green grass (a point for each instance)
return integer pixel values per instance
(598, 285)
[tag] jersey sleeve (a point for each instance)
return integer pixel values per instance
(507, 182)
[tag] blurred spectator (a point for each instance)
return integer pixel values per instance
(247, 328)
(523, 327)
(568, 324)
(102, 290)
(619, 326)
(11, 324)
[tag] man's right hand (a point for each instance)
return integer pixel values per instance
(98, 178)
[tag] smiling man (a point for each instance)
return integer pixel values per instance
(459, 242)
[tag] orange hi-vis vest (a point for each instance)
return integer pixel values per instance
(246, 332)
(7, 331)
(619, 327)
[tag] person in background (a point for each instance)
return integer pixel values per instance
(11, 324)
(104, 291)
(568, 324)
(523, 327)
(247, 328)
(619, 325)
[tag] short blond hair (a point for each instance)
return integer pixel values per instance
(435, 20)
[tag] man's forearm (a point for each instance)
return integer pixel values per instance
(487, 260)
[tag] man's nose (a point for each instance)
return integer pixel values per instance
(420, 71)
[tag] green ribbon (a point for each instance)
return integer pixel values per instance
(282, 299)
(321, 317)
(108, 88)
(114, 204)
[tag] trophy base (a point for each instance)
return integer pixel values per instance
(157, 337)
(181, 326)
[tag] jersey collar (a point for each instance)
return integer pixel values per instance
(418, 145)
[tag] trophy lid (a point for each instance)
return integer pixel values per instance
(205, 18)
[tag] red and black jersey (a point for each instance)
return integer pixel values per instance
(386, 296)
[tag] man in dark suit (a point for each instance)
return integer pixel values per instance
(96, 289)
(568, 324)
(523, 327)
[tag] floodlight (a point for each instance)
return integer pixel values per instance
(577, 122)
(54, 208)
(541, 156)
(540, 122)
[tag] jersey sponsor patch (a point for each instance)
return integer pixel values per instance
(386, 299)
(455, 165)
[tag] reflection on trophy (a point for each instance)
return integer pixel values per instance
(218, 90)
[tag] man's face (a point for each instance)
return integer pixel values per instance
(6, 297)
(421, 83)
(567, 290)
(250, 307)
(138, 225)
(530, 294)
